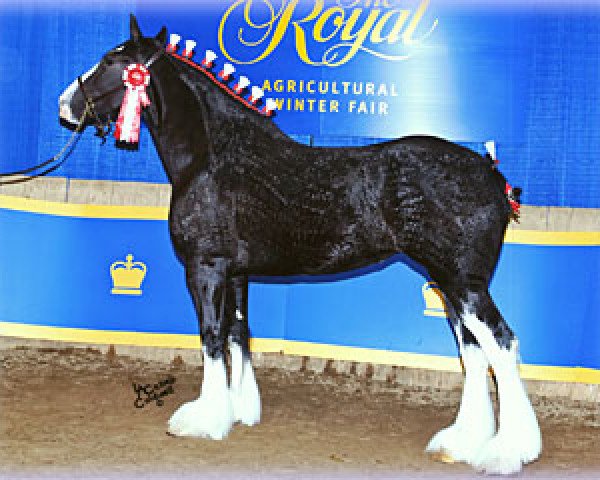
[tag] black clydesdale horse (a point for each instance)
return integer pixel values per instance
(248, 200)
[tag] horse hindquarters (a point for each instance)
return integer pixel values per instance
(459, 241)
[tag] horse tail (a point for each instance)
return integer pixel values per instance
(513, 194)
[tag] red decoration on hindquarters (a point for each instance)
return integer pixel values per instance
(136, 78)
(514, 204)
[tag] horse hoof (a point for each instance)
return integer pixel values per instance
(506, 456)
(455, 444)
(442, 456)
(203, 418)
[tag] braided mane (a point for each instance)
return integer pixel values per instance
(223, 78)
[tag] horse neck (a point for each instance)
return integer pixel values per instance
(178, 130)
(190, 128)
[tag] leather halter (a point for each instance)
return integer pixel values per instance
(103, 128)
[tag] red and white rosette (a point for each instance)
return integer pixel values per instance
(136, 78)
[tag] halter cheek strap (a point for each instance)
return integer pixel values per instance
(102, 128)
(154, 58)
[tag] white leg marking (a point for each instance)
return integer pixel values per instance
(519, 439)
(211, 415)
(245, 396)
(475, 423)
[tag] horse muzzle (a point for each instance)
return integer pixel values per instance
(66, 117)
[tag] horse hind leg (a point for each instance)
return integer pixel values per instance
(475, 423)
(518, 439)
(245, 396)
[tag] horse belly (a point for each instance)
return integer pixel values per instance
(311, 251)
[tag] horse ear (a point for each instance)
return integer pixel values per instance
(134, 29)
(162, 35)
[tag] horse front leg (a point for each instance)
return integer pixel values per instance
(244, 390)
(211, 415)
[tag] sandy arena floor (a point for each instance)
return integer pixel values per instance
(72, 410)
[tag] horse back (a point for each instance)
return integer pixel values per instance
(293, 209)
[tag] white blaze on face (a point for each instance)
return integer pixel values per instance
(64, 102)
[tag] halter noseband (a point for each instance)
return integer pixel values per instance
(102, 128)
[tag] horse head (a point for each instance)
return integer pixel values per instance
(94, 98)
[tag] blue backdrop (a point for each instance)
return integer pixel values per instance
(548, 294)
(525, 77)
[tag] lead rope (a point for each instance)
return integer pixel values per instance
(70, 143)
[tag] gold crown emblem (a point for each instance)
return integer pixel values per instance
(127, 276)
(435, 304)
